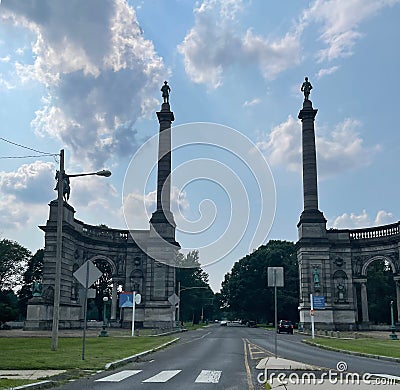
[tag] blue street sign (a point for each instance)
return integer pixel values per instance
(319, 302)
(126, 299)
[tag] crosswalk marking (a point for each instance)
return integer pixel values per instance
(208, 376)
(163, 376)
(119, 376)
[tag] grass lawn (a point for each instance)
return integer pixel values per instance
(372, 346)
(35, 353)
(11, 383)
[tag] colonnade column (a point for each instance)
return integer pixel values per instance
(114, 301)
(364, 301)
(397, 281)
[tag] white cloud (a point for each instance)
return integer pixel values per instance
(5, 59)
(363, 220)
(338, 151)
(25, 192)
(139, 207)
(253, 102)
(31, 183)
(327, 71)
(213, 45)
(98, 70)
(340, 21)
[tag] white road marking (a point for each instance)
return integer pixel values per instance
(208, 376)
(119, 376)
(162, 376)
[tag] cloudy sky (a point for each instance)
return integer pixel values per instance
(85, 76)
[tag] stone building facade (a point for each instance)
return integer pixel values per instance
(139, 260)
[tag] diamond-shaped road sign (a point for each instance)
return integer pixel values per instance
(173, 299)
(81, 272)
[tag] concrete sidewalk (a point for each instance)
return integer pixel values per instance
(29, 374)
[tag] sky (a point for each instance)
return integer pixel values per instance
(85, 76)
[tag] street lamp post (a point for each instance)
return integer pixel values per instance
(57, 277)
(103, 332)
(393, 335)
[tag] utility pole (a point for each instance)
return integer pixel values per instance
(57, 281)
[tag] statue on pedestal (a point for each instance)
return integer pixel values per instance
(165, 89)
(306, 88)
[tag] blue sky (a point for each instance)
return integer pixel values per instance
(86, 78)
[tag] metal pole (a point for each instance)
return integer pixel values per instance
(276, 315)
(85, 310)
(393, 335)
(179, 303)
(133, 313)
(312, 316)
(57, 276)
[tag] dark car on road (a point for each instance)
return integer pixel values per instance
(285, 326)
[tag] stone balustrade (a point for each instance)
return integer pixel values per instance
(105, 233)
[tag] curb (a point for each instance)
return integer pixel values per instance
(132, 358)
(361, 354)
(37, 385)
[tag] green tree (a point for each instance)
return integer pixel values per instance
(8, 306)
(197, 298)
(33, 273)
(381, 290)
(245, 292)
(13, 259)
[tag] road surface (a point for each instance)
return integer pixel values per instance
(220, 357)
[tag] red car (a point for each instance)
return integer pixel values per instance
(285, 326)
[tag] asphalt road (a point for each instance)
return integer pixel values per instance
(219, 357)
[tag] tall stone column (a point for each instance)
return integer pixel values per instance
(162, 246)
(364, 301)
(114, 301)
(310, 188)
(397, 281)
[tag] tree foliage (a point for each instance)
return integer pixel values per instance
(380, 290)
(13, 258)
(33, 273)
(197, 298)
(8, 306)
(245, 292)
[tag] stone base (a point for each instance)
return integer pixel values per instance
(39, 316)
(329, 319)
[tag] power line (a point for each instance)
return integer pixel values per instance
(26, 147)
(38, 155)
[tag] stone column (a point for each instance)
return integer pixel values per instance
(397, 281)
(165, 118)
(364, 301)
(114, 301)
(310, 191)
(355, 303)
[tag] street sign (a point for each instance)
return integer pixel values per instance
(81, 272)
(275, 277)
(173, 299)
(125, 299)
(319, 302)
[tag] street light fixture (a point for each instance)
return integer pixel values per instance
(57, 278)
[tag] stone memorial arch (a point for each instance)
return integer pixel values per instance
(333, 263)
(139, 260)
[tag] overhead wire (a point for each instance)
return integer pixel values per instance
(42, 154)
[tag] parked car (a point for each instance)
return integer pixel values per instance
(224, 323)
(252, 324)
(285, 326)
